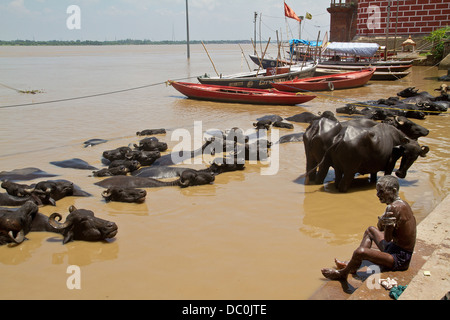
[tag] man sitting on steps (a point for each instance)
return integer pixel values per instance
(395, 236)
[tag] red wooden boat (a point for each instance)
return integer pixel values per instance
(329, 82)
(239, 95)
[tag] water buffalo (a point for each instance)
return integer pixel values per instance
(129, 195)
(308, 117)
(131, 165)
(51, 191)
(262, 124)
(16, 223)
(114, 171)
(408, 127)
(24, 174)
(149, 132)
(178, 157)
(151, 144)
(145, 158)
(221, 165)
(116, 154)
(74, 163)
(81, 224)
(369, 150)
(294, 137)
(281, 124)
(413, 95)
(17, 189)
(13, 201)
(317, 138)
(188, 177)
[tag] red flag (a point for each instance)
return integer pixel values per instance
(288, 12)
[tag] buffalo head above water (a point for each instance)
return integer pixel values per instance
(81, 224)
(16, 223)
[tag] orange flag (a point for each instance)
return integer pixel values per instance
(288, 12)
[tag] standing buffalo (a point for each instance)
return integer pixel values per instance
(356, 146)
(369, 150)
(317, 139)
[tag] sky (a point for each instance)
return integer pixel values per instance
(158, 20)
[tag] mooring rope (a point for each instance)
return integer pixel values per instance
(86, 96)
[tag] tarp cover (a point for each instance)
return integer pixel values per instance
(354, 48)
(305, 42)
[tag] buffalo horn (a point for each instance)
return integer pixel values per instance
(424, 151)
(19, 238)
(55, 224)
(399, 122)
(106, 193)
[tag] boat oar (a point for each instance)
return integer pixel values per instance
(256, 52)
(264, 53)
(210, 59)
(243, 54)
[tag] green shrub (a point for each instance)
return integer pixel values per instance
(437, 37)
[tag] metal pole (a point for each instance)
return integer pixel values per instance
(387, 29)
(187, 30)
(254, 22)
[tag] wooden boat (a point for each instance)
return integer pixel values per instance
(263, 78)
(389, 75)
(381, 67)
(350, 56)
(377, 75)
(271, 62)
(239, 95)
(338, 81)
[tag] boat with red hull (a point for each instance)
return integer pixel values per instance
(328, 82)
(239, 95)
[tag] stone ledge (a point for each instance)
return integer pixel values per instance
(432, 253)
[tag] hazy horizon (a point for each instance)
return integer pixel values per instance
(114, 20)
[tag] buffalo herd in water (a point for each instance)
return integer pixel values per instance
(373, 141)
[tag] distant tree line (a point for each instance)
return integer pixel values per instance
(114, 42)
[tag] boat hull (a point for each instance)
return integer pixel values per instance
(237, 95)
(258, 80)
(385, 70)
(378, 75)
(270, 63)
(322, 83)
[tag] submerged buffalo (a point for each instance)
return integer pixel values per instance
(17, 189)
(81, 224)
(16, 223)
(187, 178)
(129, 195)
(51, 191)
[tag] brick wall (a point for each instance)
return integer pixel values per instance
(415, 17)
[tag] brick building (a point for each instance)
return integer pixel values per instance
(343, 20)
(407, 17)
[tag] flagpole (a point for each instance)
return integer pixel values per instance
(187, 30)
(254, 22)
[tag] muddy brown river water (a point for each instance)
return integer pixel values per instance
(247, 236)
